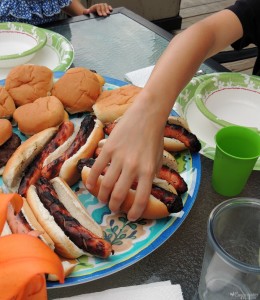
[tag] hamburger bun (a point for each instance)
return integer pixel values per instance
(43, 113)
(6, 130)
(112, 104)
(26, 83)
(78, 89)
(7, 106)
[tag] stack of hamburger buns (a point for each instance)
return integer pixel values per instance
(36, 102)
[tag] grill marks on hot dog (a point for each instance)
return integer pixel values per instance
(81, 236)
(183, 135)
(174, 131)
(8, 148)
(53, 169)
(172, 201)
(174, 178)
(33, 171)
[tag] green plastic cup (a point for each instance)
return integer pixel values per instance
(237, 150)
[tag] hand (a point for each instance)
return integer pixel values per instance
(134, 151)
(102, 9)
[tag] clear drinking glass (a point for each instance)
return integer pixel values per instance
(231, 265)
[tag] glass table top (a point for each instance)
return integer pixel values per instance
(112, 52)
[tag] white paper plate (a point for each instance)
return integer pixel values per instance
(57, 54)
(230, 99)
(204, 129)
(19, 43)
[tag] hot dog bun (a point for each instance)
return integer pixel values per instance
(78, 89)
(7, 106)
(43, 113)
(169, 160)
(68, 170)
(26, 83)
(74, 205)
(155, 209)
(112, 104)
(178, 137)
(172, 144)
(16, 175)
(64, 246)
(26, 224)
(23, 156)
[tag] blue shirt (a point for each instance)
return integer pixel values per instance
(31, 11)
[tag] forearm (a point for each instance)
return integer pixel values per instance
(183, 57)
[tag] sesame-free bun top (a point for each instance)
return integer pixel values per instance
(45, 112)
(7, 106)
(26, 83)
(112, 104)
(5, 131)
(78, 89)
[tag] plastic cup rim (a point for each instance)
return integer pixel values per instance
(231, 155)
(235, 263)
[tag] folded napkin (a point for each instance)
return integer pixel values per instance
(139, 77)
(152, 291)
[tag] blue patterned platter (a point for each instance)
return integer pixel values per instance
(131, 241)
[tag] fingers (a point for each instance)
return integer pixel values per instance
(108, 182)
(102, 9)
(100, 164)
(141, 198)
(120, 190)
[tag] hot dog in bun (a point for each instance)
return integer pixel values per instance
(25, 223)
(163, 200)
(53, 152)
(177, 135)
(64, 218)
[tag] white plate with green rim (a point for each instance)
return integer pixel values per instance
(57, 54)
(200, 125)
(19, 43)
(230, 99)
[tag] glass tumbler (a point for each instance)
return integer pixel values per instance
(231, 264)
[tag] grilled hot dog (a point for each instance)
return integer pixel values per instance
(52, 152)
(64, 218)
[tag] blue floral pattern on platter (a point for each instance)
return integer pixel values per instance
(131, 241)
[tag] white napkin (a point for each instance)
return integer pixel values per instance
(152, 291)
(139, 77)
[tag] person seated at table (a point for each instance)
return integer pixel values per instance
(44, 11)
(137, 154)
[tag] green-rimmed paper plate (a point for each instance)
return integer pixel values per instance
(204, 129)
(19, 42)
(57, 54)
(230, 99)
